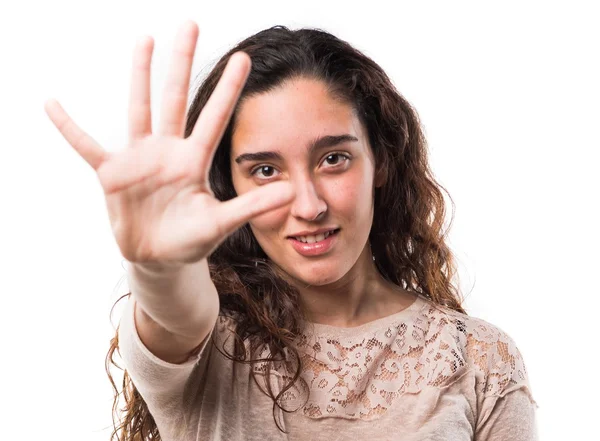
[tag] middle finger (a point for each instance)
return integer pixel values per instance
(176, 90)
(140, 115)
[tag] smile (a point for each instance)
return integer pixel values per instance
(314, 245)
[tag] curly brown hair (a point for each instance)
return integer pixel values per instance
(407, 236)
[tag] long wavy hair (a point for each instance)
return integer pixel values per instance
(407, 236)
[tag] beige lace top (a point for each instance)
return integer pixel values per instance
(425, 373)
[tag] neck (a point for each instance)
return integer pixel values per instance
(360, 296)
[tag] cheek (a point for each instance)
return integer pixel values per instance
(350, 195)
(353, 205)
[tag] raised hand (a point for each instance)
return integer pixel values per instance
(159, 201)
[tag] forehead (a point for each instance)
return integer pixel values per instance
(290, 115)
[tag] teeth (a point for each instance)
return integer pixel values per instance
(313, 239)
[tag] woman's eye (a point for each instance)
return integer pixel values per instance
(336, 158)
(265, 170)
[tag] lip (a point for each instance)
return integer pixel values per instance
(316, 248)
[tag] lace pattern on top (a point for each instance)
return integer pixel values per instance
(360, 377)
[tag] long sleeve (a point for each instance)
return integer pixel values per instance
(194, 400)
(508, 418)
(161, 384)
(506, 407)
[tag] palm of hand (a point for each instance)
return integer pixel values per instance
(158, 198)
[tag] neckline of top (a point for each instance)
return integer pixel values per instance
(406, 313)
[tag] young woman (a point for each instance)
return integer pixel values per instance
(288, 272)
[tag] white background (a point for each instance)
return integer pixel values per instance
(509, 98)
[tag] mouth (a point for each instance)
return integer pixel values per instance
(316, 245)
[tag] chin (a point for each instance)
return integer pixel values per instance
(315, 275)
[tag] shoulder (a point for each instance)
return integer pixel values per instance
(231, 335)
(226, 329)
(482, 347)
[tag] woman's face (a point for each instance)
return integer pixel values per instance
(300, 134)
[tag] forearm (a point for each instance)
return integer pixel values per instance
(181, 299)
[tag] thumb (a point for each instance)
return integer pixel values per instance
(236, 212)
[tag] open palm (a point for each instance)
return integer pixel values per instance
(159, 201)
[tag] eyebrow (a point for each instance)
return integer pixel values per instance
(319, 143)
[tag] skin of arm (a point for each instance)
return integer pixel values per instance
(176, 307)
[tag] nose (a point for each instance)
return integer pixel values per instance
(307, 205)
